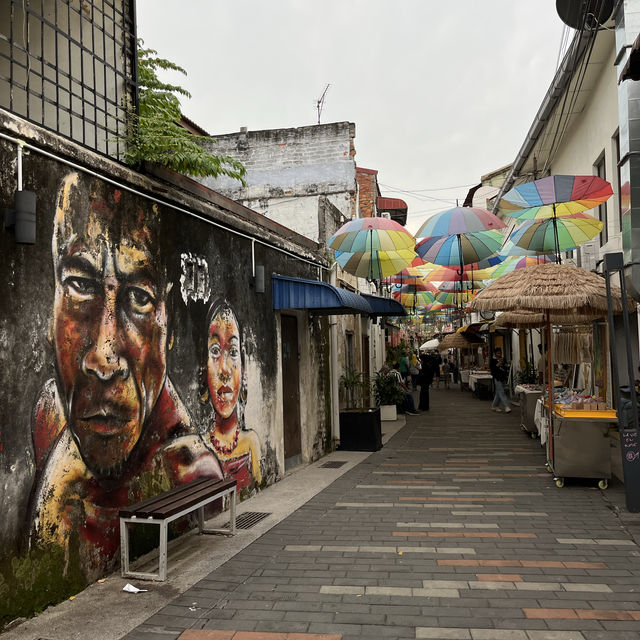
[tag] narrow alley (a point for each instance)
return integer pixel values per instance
(454, 530)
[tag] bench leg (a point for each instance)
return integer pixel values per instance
(232, 512)
(200, 519)
(124, 549)
(163, 551)
(232, 515)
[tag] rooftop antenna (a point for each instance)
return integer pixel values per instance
(320, 102)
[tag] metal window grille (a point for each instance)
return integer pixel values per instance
(70, 66)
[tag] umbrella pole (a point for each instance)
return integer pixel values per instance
(531, 346)
(555, 236)
(370, 278)
(461, 273)
(549, 385)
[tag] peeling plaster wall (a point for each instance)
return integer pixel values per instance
(121, 281)
(289, 170)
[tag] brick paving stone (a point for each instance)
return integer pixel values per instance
(452, 531)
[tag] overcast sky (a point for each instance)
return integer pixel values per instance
(440, 92)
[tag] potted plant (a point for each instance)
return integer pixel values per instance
(360, 428)
(528, 375)
(388, 395)
(355, 387)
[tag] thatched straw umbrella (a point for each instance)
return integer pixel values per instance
(550, 288)
(459, 341)
(525, 319)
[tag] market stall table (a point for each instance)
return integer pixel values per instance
(528, 397)
(581, 446)
(481, 383)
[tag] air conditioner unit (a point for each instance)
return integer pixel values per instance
(385, 214)
(588, 256)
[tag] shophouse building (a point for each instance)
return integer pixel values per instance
(587, 124)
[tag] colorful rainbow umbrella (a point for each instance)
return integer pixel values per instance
(460, 249)
(437, 306)
(459, 221)
(455, 299)
(373, 248)
(555, 197)
(414, 300)
(415, 287)
(517, 262)
(467, 285)
(364, 234)
(374, 265)
(556, 234)
(404, 278)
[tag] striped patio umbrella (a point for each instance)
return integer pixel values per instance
(465, 285)
(373, 248)
(555, 197)
(459, 221)
(517, 262)
(374, 265)
(556, 234)
(414, 300)
(450, 251)
(456, 299)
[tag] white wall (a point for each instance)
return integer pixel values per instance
(590, 135)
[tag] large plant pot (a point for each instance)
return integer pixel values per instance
(388, 412)
(360, 430)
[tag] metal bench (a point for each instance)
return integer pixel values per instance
(169, 506)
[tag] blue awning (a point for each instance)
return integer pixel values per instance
(384, 306)
(316, 296)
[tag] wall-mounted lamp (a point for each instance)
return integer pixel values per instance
(259, 278)
(22, 218)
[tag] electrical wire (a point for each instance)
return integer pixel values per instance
(577, 87)
(459, 186)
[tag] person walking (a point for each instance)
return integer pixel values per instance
(425, 379)
(436, 361)
(446, 372)
(500, 373)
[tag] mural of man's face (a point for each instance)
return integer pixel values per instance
(109, 319)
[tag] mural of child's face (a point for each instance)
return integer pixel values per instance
(109, 325)
(224, 363)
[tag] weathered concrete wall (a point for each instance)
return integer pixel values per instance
(136, 356)
(288, 170)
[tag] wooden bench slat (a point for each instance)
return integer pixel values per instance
(162, 503)
(186, 494)
(130, 509)
(178, 502)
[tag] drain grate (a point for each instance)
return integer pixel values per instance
(333, 465)
(250, 518)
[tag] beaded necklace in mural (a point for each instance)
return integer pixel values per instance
(224, 449)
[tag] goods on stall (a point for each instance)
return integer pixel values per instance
(566, 399)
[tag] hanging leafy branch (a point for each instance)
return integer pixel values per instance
(154, 133)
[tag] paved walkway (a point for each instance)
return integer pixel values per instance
(454, 530)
